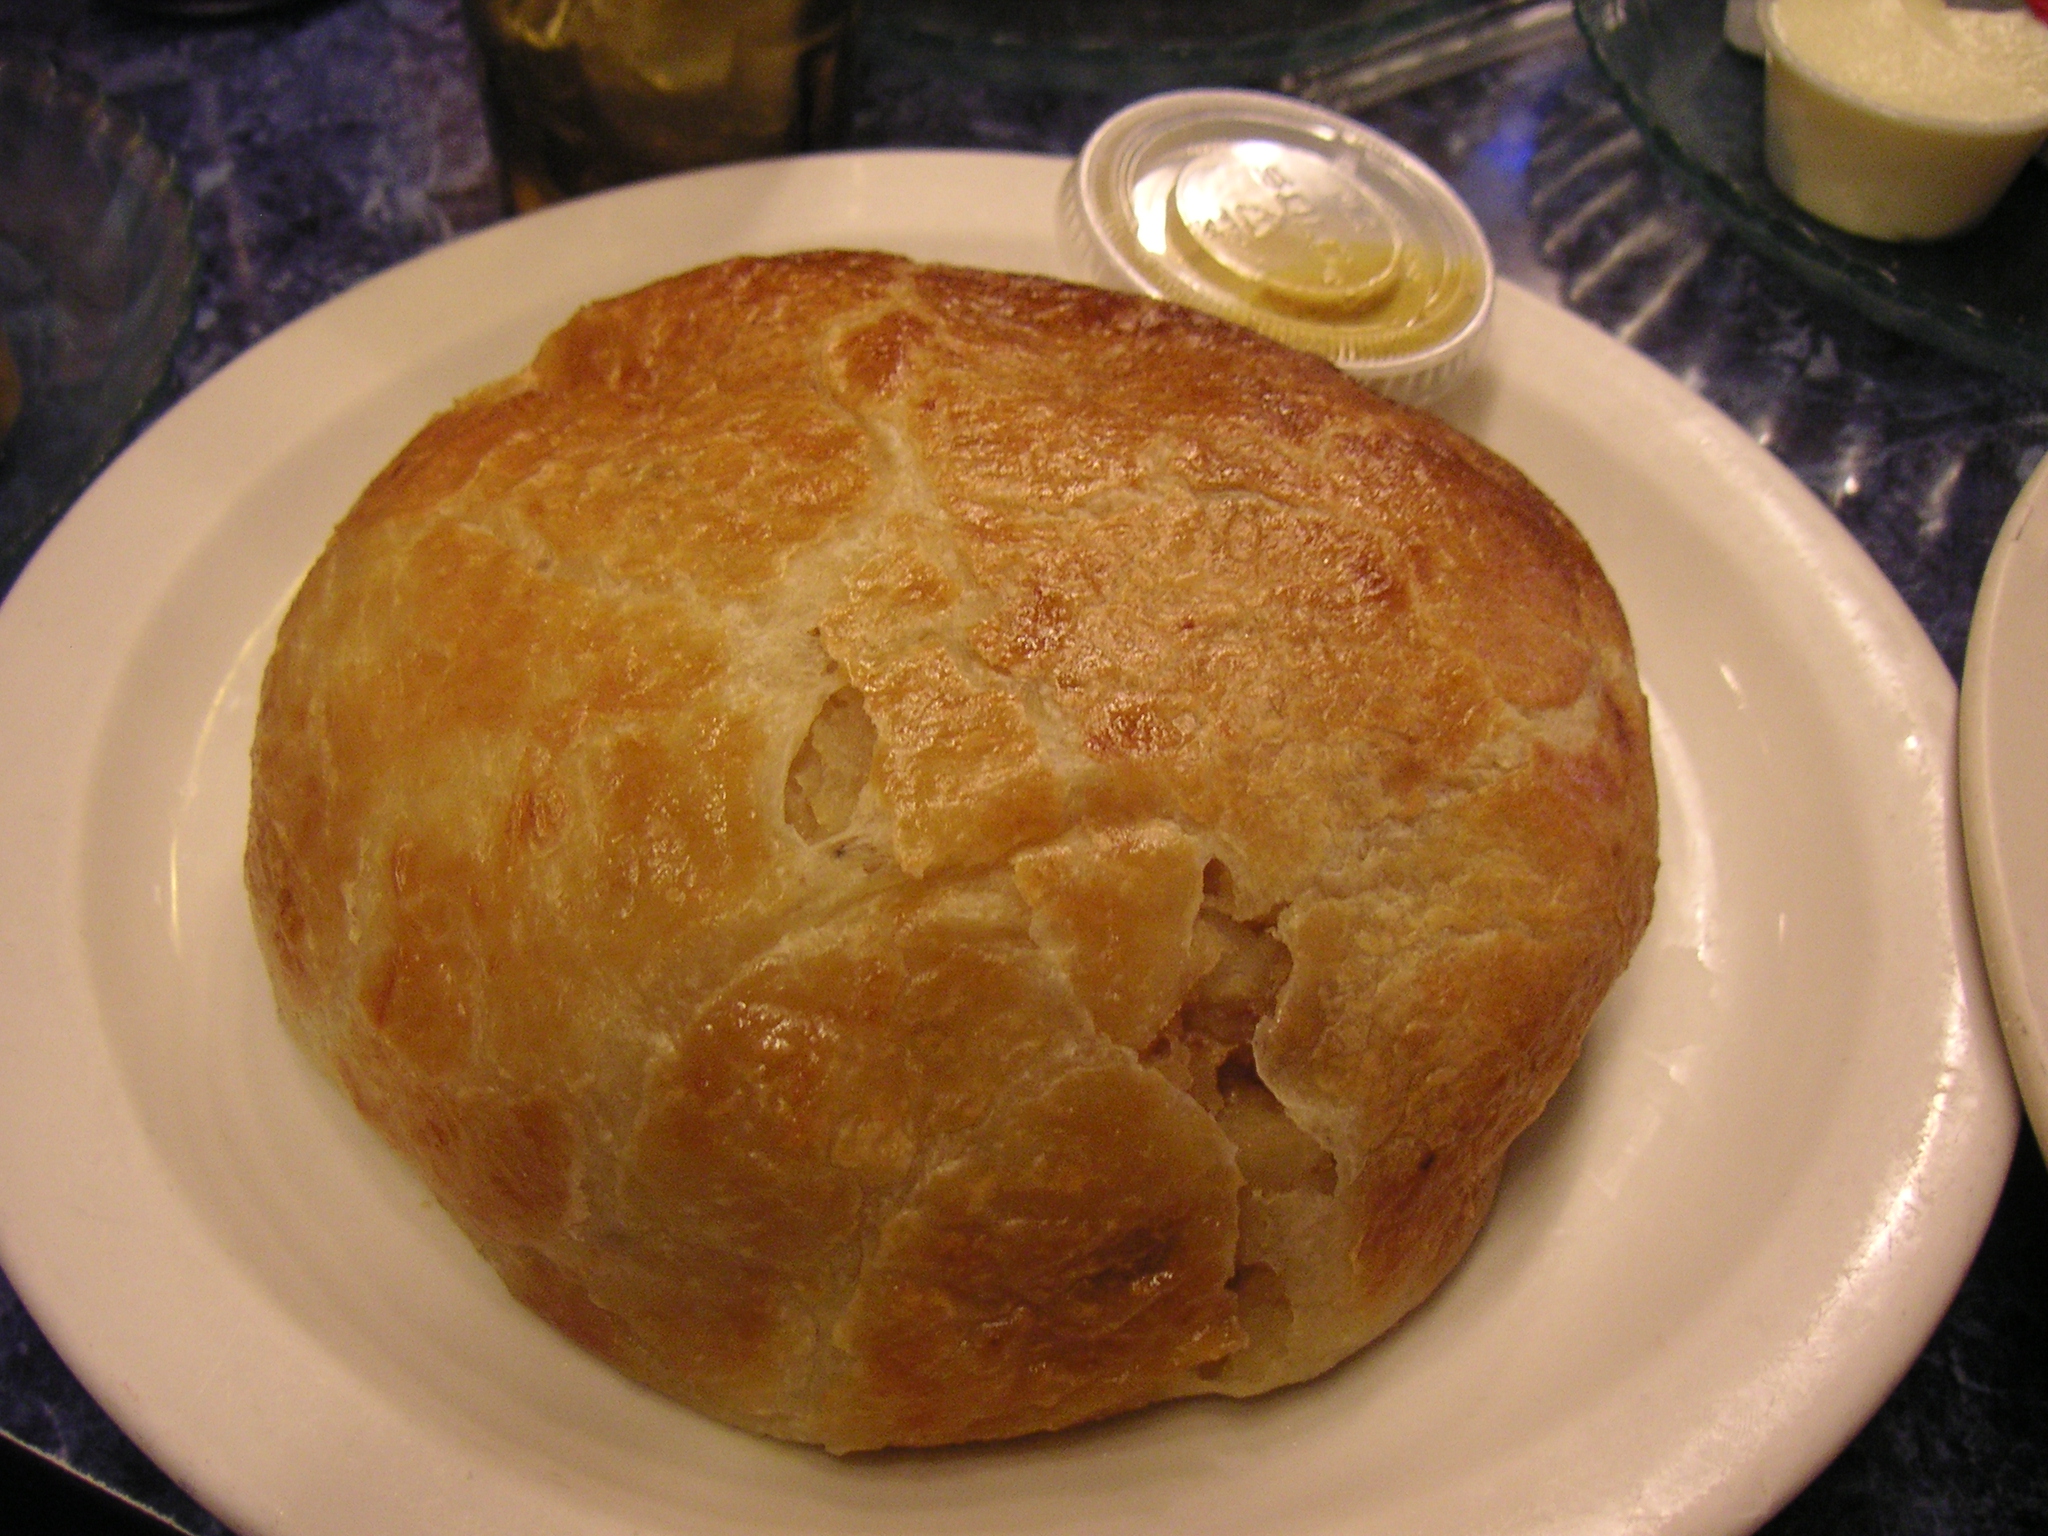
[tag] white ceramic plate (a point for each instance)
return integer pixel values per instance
(2003, 753)
(1730, 1235)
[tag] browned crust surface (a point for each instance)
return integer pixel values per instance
(920, 855)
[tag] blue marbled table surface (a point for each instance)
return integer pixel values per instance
(323, 142)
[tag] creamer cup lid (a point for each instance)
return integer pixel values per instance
(1292, 220)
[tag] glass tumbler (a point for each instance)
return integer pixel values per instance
(586, 94)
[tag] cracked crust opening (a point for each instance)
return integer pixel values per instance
(830, 770)
(921, 855)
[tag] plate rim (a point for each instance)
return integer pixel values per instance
(48, 606)
(2013, 972)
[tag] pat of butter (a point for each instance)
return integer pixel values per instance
(1901, 119)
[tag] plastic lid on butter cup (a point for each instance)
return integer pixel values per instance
(1289, 219)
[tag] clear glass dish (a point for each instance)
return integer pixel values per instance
(96, 269)
(1981, 296)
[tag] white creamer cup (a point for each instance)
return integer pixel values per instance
(1876, 168)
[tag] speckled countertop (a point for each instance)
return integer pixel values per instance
(324, 142)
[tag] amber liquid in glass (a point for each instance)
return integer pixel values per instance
(591, 93)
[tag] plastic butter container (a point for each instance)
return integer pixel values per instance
(1901, 119)
(1289, 219)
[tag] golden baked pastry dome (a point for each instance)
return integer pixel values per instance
(919, 855)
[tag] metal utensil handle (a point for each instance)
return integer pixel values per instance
(1436, 48)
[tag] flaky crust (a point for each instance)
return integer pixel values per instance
(920, 855)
